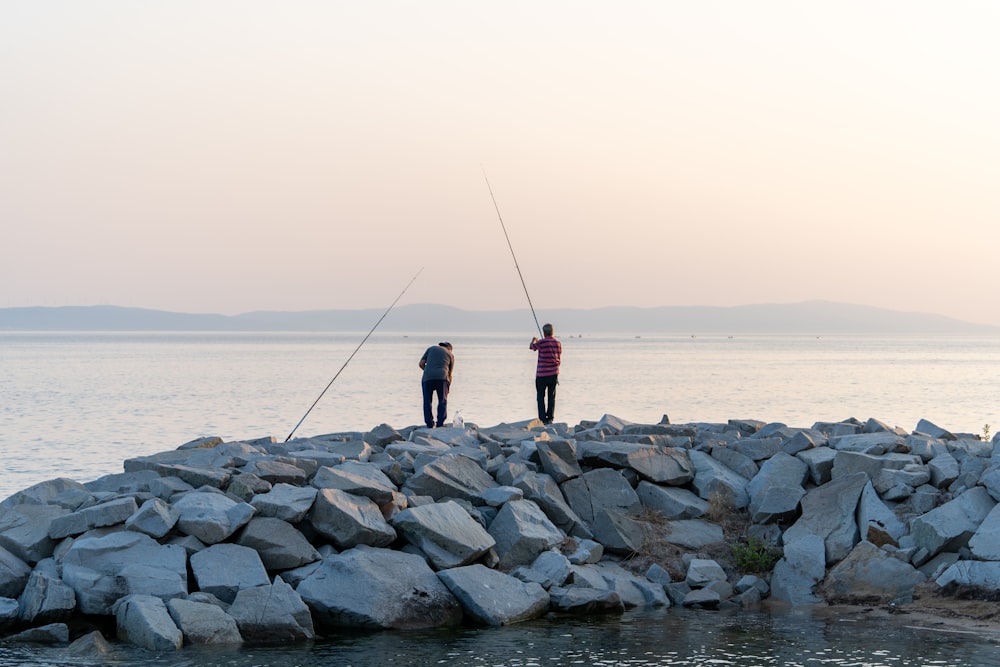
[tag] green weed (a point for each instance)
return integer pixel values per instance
(753, 556)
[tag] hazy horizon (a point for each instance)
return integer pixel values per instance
(809, 317)
(228, 158)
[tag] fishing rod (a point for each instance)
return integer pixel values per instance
(391, 305)
(504, 227)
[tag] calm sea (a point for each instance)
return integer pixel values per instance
(77, 404)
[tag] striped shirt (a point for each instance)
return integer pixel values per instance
(549, 355)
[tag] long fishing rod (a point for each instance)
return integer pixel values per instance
(504, 227)
(329, 384)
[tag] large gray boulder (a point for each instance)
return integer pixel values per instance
(703, 571)
(870, 575)
(155, 518)
(272, 613)
(819, 461)
(225, 569)
(634, 591)
(348, 520)
(53, 633)
(382, 435)
(45, 599)
(660, 465)
(50, 492)
(900, 483)
(544, 492)
(868, 443)
(522, 531)
(618, 532)
(944, 469)
(553, 566)
(14, 574)
(951, 526)
(991, 481)
(24, 529)
(357, 478)
(378, 589)
(847, 463)
(196, 476)
(558, 459)
(280, 545)
(96, 516)
(663, 465)
(671, 502)
(143, 620)
(712, 478)
(445, 533)
(975, 573)
(759, 447)
(286, 502)
(8, 613)
(211, 517)
(829, 512)
(493, 598)
(693, 533)
(105, 568)
(776, 489)
(450, 476)
(582, 600)
(735, 460)
(800, 569)
(931, 429)
(985, 542)
(203, 623)
(599, 490)
(274, 471)
(877, 523)
(245, 486)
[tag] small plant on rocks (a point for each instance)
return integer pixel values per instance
(753, 556)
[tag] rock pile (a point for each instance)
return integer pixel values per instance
(223, 542)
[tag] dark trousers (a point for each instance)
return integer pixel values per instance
(546, 386)
(430, 387)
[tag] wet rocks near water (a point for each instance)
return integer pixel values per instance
(261, 541)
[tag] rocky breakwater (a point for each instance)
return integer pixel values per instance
(261, 541)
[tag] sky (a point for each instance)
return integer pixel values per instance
(230, 156)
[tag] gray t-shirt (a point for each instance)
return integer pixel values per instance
(439, 363)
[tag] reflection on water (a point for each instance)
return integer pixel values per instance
(656, 638)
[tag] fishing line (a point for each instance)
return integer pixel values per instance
(504, 227)
(391, 305)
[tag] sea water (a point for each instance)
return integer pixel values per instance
(77, 404)
(656, 638)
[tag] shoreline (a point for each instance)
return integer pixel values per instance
(931, 614)
(848, 520)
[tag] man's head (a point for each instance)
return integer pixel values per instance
(445, 345)
(547, 329)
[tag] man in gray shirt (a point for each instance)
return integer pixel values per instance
(437, 363)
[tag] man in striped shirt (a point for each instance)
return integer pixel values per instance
(547, 375)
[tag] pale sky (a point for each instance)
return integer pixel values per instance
(200, 156)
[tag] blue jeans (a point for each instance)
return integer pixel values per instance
(546, 385)
(430, 387)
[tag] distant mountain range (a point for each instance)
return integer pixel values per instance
(808, 317)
